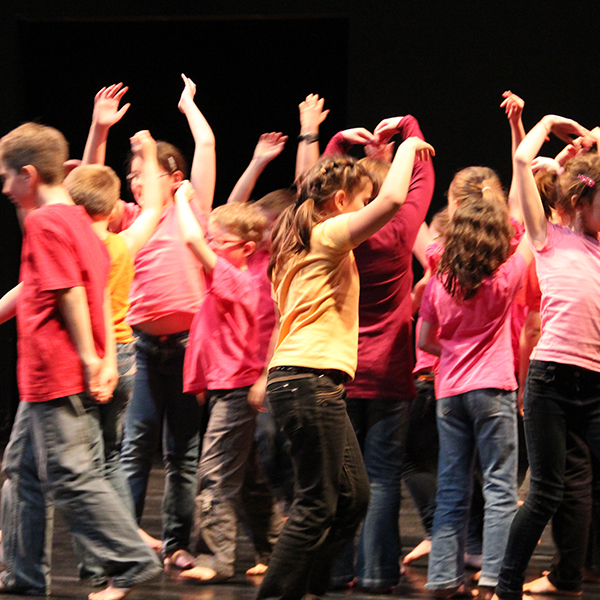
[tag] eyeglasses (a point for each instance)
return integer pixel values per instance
(135, 177)
(218, 242)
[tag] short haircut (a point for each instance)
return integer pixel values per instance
(241, 219)
(274, 203)
(45, 148)
(95, 187)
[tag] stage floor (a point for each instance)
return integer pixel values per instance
(66, 585)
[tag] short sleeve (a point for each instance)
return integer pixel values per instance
(334, 234)
(52, 251)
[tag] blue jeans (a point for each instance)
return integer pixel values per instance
(108, 420)
(158, 404)
(558, 398)
(49, 461)
(332, 487)
(380, 427)
(228, 464)
(483, 420)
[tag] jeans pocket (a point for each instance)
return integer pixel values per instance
(284, 396)
(328, 392)
(542, 371)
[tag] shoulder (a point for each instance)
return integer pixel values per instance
(333, 233)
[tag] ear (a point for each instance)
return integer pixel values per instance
(249, 248)
(573, 200)
(340, 199)
(177, 177)
(30, 176)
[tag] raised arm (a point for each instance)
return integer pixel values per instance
(106, 114)
(311, 117)
(191, 231)
(203, 172)
(342, 141)
(269, 147)
(513, 107)
(394, 189)
(144, 146)
(534, 218)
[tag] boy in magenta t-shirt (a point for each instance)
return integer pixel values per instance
(66, 363)
(222, 358)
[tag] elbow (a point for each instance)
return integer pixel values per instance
(520, 160)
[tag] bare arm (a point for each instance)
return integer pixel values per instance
(256, 394)
(109, 375)
(513, 107)
(191, 231)
(530, 335)
(529, 198)
(269, 147)
(428, 339)
(311, 117)
(204, 165)
(143, 227)
(73, 307)
(377, 213)
(8, 303)
(106, 114)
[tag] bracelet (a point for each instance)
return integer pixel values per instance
(309, 138)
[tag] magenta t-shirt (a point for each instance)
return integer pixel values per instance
(475, 334)
(222, 352)
(568, 269)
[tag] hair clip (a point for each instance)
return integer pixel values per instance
(587, 180)
(172, 164)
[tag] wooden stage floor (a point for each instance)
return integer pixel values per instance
(66, 585)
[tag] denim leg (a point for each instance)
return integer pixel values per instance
(495, 424)
(227, 445)
(92, 510)
(331, 483)
(378, 558)
(26, 517)
(455, 480)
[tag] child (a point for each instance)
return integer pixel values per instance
(315, 283)
(65, 331)
(562, 392)
(469, 302)
(96, 188)
(222, 359)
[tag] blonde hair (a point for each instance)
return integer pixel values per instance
(95, 187)
(480, 182)
(241, 219)
(42, 147)
(578, 184)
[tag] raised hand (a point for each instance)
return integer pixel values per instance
(143, 144)
(312, 113)
(106, 105)
(545, 163)
(269, 146)
(187, 96)
(513, 106)
(564, 129)
(423, 150)
(358, 135)
(383, 152)
(387, 129)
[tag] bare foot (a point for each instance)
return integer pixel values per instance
(258, 569)
(455, 592)
(202, 574)
(155, 544)
(110, 593)
(180, 559)
(545, 587)
(423, 549)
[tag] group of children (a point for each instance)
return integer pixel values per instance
(134, 319)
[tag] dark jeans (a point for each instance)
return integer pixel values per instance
(332, 487)
(558, 398)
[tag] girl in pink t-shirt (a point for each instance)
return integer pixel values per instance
(562, 392)
(466, 323)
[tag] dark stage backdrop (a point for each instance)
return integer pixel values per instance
(447, 63)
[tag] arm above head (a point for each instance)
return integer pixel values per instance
(192, 233)
(135, 236)
(513, 107)
(269, 146)
(106, 114)
(204, 164)
(8, 303)
(392, 195)
(428, 339)
(529, 199)
(311, 117)
(342, 141)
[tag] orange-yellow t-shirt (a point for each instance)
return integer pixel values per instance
(317, 296)
(119, 282)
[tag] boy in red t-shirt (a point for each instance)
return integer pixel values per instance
(66, 363)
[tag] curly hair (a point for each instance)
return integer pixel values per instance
(291, 234)
(477, 243)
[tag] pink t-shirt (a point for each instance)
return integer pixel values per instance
(475, 334)
(266, 315)
(569, 273)
(60, 251)
(222, 352)
(168, 279)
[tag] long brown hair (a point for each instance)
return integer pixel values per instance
(578, 184)
(291, 234)
(477, 243)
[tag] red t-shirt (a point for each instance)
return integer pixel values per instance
(60, 251)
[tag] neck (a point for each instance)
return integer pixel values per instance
(53, 194)
(100, 226)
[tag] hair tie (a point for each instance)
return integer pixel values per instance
(587, 180)
(487, 187)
